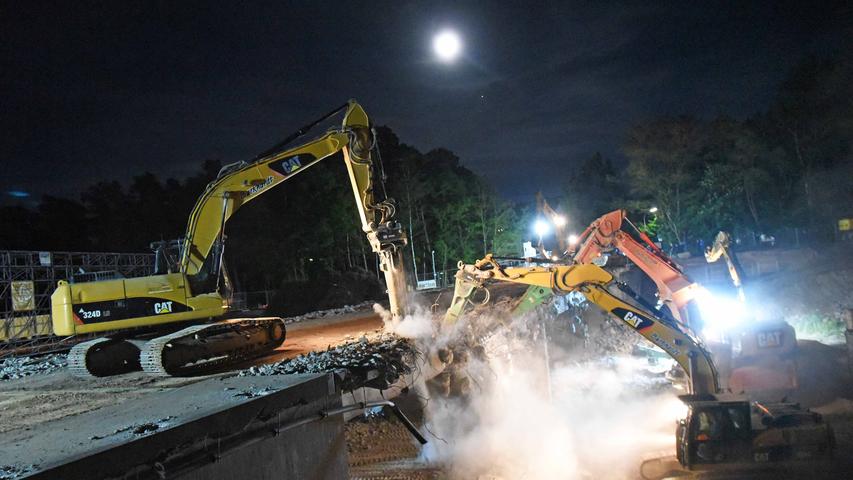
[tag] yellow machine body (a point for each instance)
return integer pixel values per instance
(129, 303)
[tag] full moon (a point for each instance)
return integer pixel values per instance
(447, 45)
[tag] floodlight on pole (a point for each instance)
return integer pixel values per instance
(541, 228)
(653, 210)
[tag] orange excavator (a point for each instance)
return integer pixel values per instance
(675, 289)
(605, 236)
(758, 367)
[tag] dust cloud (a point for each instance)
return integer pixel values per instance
(417, 326)
(521, 420)
(594, 426)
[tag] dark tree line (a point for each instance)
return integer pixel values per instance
(785, 172)
(307, 226)
(108, 216)
(310, 225)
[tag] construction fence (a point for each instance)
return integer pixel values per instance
(28, 278)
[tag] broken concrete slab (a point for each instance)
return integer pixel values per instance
(377, 361)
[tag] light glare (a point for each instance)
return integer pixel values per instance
(560, 221)
(720, 314)
(541, 227)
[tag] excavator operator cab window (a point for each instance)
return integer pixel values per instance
(711, 425)
(167, 254)
(740, 420)
(720, 433)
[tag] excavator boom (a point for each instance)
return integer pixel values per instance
(240, 183)
(676, 290)
(558, 221)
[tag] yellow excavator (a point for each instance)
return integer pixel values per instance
(766, 362)
(546, 212)
(189, 286)
(721, 432)
(721, 248)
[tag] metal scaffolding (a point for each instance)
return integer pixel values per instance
(28, 278)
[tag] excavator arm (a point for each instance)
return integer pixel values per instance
(559, 221)
(240, 183)
(722, 249)
(592, 281)
(674, 287)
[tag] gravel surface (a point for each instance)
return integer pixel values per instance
(36, 399)
(333, 312)
(19, 367)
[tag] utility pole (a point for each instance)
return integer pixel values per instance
(412, 244)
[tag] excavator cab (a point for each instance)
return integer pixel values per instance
(167, 255)
(722, 432)
(715, 432)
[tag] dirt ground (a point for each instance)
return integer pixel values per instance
(378, 448)
(43, 398)
(320, 334)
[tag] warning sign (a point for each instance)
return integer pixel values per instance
(23, 296)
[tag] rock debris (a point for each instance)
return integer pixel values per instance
(332, 312)
(375, 362)
(19, 367)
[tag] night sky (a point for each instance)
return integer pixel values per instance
(108, 90)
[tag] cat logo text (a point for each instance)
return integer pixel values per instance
(162, 307)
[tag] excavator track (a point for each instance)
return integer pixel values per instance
(203, 349)
(103, 357)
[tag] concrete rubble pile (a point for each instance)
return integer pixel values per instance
(373, 362)
(19, 367)
(13, 471)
